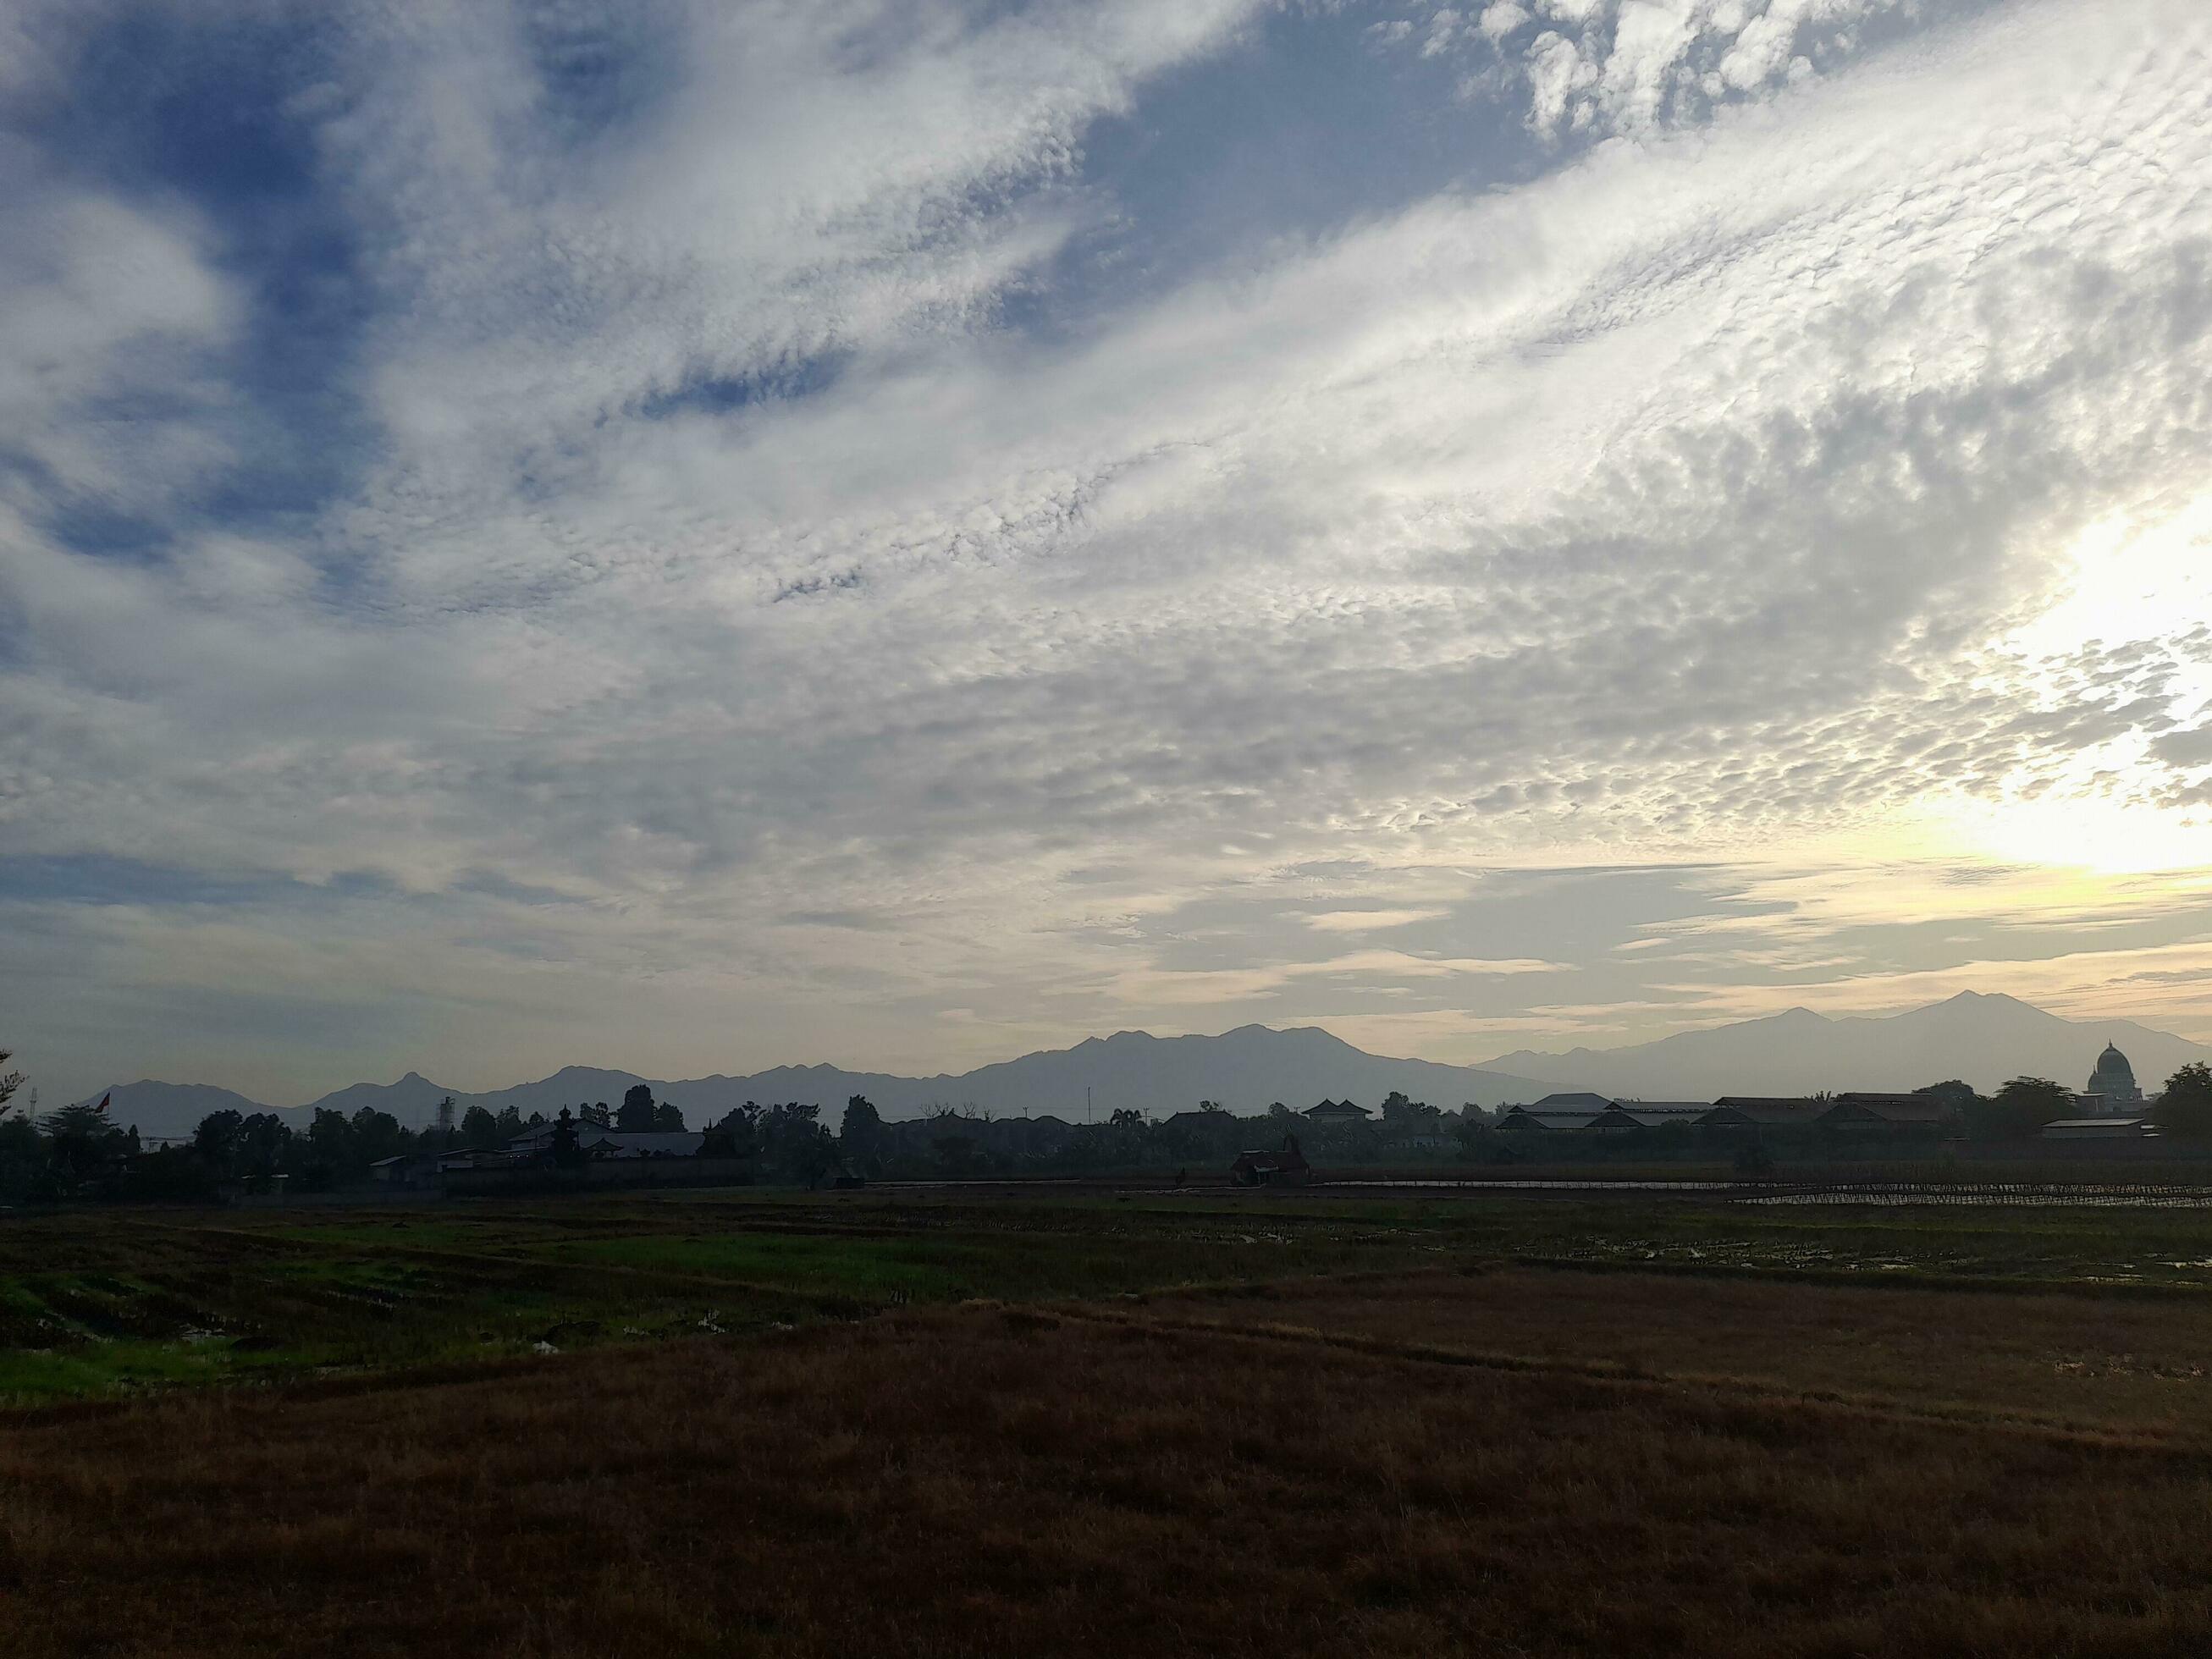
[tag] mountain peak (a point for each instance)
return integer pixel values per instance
(1981, 1036)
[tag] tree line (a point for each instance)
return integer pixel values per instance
(2022, 1108)
(77, 1151)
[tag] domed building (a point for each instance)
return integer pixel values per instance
(2114, 1082)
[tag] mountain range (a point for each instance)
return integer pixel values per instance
(1982, 1039)
(1246, 1069)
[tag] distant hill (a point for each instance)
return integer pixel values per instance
(168, 1109)
(413, 1100)
(1246, 1069)
(1982, 1039)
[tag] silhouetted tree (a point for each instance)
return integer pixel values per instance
(9, 1081)
(860, 1135)
(328, 1140)
(636, 1112)
(216, 1138)
(1952, 1093)
(567, 1148)
(740, 1129)
(2185, 1108)
(509, 1122)
(262, 1142)
(668, 1118)
(23, 1169)
(599, 1116)
(2019, 1109)
(375, 1136)
(1404, 1116)
(795, 1144)
(479, 1128)
(81, 1138)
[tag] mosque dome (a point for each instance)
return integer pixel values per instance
(2115, 1079)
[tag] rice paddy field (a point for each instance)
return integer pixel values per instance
(995, 1420)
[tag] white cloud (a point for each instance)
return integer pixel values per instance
(1696, 497)
(1634, 67)
(1363, 921)
(107, 301)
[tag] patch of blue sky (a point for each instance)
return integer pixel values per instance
(1301, 129)
(219, 114)
(599, 73)
(786, 380)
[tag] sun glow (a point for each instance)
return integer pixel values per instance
(2131, 581)
(2097, 834)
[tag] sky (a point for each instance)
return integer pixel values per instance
(695, 537)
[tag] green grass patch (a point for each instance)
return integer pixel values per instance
(151, 1300)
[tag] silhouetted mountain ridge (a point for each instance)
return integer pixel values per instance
(1246, 1069)
(1983, 1038)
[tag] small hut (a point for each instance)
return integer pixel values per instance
(1287, 1166)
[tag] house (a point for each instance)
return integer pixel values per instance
(537, 1142)
(1755, 1112)
(1540, 1119)
(1336, 1112)
(1914, 1117)
(1623, 1116)
(479, 1158)
(2099, 1129)
(1285, 1166)
(407, 1170)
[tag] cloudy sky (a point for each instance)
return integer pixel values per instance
(689, 536)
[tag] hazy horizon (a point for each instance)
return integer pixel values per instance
(709, 537)
(1627, 1070)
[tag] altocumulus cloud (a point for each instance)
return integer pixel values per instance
(700, 536)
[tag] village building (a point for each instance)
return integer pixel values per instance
(1749, 1113)
(1542, 1120)
(1337, 1112)
(1285, 1166)
(594, 1142)
(1625, 1116)
(1896, 1117)
(407, 1170)
(2099, 1129)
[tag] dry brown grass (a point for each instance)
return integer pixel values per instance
(1009, 1481)
(2100, 1362)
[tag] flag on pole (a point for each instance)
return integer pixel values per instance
(104, 1099)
